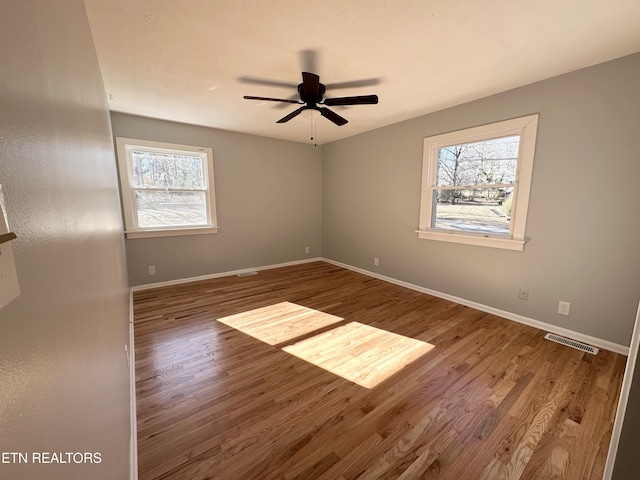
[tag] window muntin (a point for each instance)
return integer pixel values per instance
(167, 189)
(476, 183)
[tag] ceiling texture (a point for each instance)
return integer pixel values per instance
(192, 61)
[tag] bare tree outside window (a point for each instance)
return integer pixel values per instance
(474, 180)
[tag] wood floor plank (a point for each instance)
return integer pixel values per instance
(491, 400)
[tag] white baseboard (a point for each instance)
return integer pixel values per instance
(148, 286)
(596, 342)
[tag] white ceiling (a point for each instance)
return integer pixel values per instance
(189, 60)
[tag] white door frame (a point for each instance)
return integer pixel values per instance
(624, 398)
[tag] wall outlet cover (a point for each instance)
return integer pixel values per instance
(564, 308)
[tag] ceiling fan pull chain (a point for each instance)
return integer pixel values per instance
(313, 130)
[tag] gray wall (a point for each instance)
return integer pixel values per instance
(583, 225)
(268, 195)
(64, 380)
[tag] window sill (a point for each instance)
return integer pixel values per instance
(471, 239)
(176, 232)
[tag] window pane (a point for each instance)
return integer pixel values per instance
(159, 170)
(483, 210)
(480, 163)
(170, 209)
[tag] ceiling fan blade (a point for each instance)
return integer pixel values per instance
(358, 100)
(310, 86)
(366, 82)
(266, 81)
(293, 114)
(291, 99)
(269, 99)
(332, 116)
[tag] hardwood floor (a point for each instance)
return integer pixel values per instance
(491, 400)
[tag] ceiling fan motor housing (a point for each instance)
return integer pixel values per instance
(311, 99)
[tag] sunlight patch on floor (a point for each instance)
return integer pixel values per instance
(279, 323)
(362, 354)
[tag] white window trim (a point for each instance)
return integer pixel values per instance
(527, 128)
(125, 168)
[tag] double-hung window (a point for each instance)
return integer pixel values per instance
(167, 189)
(476, 184)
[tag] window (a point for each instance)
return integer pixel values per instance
(166, 189)
(476, 183)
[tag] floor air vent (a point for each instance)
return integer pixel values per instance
(247, 274)
(572, 343)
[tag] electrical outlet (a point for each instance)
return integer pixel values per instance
(376, 262)
(152, 269)
(306, 249)
(563, 308)
(523, 294)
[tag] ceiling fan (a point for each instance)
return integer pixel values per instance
(311, 93)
